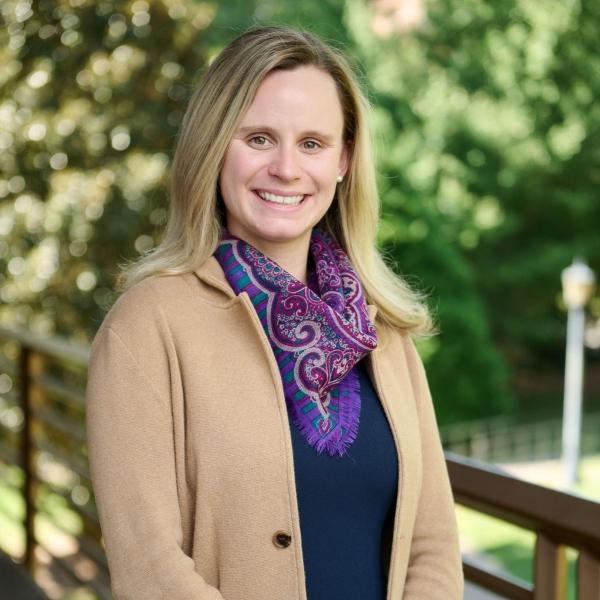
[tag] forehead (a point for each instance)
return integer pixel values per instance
(302, 96)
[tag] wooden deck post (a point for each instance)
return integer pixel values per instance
(550, 569)
(26, 458)
(588, 576)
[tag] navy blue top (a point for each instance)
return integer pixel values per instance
(347, 507)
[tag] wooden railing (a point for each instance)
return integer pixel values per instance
(42, 436)
(558, 520)
(42, 448)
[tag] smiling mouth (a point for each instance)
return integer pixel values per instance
(276, 199)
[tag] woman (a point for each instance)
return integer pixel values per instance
(256, 430)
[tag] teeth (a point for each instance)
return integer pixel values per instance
(293, 200)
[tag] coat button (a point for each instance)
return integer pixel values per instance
(281, 539)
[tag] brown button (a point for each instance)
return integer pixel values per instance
(282, 539)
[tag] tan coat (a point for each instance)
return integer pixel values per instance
(191, 455)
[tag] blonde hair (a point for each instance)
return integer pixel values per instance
(215, 109)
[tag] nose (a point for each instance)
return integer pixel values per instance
(285, 164)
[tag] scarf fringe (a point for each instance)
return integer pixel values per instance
(349, 405)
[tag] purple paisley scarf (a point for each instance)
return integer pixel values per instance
(317, 332)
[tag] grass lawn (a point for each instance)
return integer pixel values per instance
(510, 548)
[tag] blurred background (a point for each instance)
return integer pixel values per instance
(486, 123)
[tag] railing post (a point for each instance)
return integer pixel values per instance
(588, 576)
(26, 456)
(550, 569)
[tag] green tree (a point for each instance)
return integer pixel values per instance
(91, 96)
(487, 136)
(490, 155)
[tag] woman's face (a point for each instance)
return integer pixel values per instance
(280, 170)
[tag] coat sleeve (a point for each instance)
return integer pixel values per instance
(132, 465)
(435, 566)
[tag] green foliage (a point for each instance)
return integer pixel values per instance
(488, 168)
(487, 139)
(90, 101)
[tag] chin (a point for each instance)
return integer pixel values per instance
(284, 235)
(280, 233)
(282, 228)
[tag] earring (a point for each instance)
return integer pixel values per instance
(340, 179)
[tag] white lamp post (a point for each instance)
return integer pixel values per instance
(578, 286)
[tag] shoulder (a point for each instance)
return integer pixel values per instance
(147, 326)
(144, 301)
(144, 311)
(166, 308)
(161, 295)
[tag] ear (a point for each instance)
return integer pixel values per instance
(345, 156)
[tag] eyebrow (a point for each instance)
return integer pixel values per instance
(326, 137)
